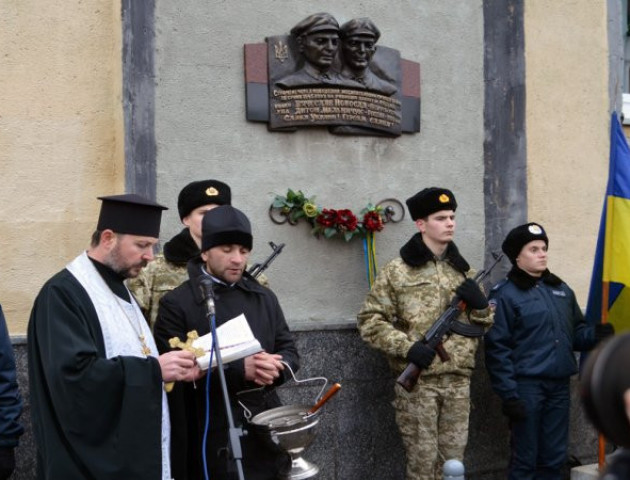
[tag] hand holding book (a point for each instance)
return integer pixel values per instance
(263, 368)
(236, 341)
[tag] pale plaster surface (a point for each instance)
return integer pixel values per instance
(202, 132)
(568, 130)
(61, 137)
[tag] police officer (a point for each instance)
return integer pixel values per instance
(407, 297)
(529, 354)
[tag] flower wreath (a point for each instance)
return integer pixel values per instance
(330, 222)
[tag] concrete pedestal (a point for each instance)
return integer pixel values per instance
(585, 472)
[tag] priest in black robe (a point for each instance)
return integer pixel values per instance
(96, 381)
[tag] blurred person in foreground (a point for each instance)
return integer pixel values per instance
(10, 403)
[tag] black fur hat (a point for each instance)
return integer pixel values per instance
(203, 192)
(521, 236)
(430, 200)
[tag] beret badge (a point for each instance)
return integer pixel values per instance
(535, 229)
(444, 198)
(212, 192)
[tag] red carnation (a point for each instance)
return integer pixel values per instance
(346, 220)
(327, 218)
(372, 221)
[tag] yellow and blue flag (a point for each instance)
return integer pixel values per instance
(609, 294)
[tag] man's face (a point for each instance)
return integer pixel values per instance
(533, 258)
(320, 48)
(358, 51)
(129, 254)
(194, 219)
(437, 228)
(226, 262)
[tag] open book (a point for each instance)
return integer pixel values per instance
(236, 341)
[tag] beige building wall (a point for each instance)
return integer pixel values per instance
(61, 137)
(567, 123)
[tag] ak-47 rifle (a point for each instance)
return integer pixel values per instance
(443, 326)
(256, 269)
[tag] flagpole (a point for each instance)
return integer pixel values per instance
(601, 451)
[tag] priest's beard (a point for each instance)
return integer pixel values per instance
(117, 262)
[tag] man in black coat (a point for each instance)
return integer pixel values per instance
(226, 244)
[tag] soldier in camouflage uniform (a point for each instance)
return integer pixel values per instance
(408, 295)
(168, 270)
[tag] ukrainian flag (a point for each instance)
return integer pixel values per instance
(610, 283)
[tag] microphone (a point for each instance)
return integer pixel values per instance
(206, 285)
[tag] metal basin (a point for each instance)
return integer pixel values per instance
(289, 429)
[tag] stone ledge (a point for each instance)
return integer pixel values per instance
(585, 472)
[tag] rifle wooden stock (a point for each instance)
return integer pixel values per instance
(409, 377)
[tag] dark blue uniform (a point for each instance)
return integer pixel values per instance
(10, 403)
(529, 356)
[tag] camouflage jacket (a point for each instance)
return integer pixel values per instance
(408, 295)
(155, 280)
(166, 272)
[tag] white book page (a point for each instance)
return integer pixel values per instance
(235, 339)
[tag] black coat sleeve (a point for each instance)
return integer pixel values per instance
(10, 399)
(101, 414)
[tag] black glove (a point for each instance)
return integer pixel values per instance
(472, 295)
(7, 462)
(514, 409)
(421, 355)
(604, 330)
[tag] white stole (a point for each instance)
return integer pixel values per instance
(119, 335)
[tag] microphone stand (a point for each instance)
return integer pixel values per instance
(234, 433)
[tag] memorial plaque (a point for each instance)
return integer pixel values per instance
(323, 74)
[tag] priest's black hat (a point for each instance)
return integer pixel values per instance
(430, 200)
(225, 225)
(521, 236)
(130, 214)
(203, 192)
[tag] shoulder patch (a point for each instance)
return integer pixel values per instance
(499, 285)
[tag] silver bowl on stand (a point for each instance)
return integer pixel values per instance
(290, 429)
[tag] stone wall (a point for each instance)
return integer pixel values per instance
(357, 438)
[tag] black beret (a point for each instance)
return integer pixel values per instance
(225, 225)
(430, 200)
(317, 22)
(521, 236)
(130, 214)
(203, 192)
